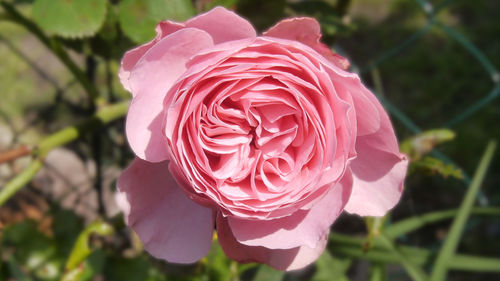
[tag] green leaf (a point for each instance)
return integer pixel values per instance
(93, 265)
(34, 250)
(412, 268)
(217, 265)
(331, 268)
(415, 222)
(177, 10)
(132, 269)
(350, 247)
(15, 270)
(421, 144)
(66, 228)
(70, 18)
(81, 250)
(138, 18)
(225, 3)
(136, 21)
(435, 165)
(450, 244)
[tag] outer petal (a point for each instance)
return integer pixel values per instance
(131, 57)
(304, 227)
(378, 171)
(281, 259)
(307, 31)
(171, 226)
(366, 106)
(223, 25)
(150, 80)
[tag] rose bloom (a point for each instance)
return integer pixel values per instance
(266, 139)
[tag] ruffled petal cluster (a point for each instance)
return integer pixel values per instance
(266, 139)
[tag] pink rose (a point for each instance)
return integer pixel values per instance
(267, 138)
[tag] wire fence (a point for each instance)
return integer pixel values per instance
(431, 13)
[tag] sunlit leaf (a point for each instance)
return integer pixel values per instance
(218, 265)
(82, 250)
(421, 144)
(70, 18)
(435, 165)
(225, 3)
(138, 18)
(176, 10)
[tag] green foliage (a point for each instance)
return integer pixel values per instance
(138, 18)
(217, 265)
(81, 250)
(449, 247)
(418, 146)
(327, 14)
(329, 267)
(225, 3)
(131, 269)
(375, 226)
(35, 252)
(435, 165)
(70, 18)
(423, 143)
(262, 13)
(265, 273)
(101, 30)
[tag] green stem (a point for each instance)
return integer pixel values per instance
(13, 186)
(450, 244)
(54, 45)
(413, 269)
(352, 247)
(378, 272)
(411, 224)
(103, 116)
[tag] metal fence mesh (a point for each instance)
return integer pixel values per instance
(431, 13)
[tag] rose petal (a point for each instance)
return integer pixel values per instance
(280, 259)
(131, 57)
(171, 226)
(306, 31)
(378, 170)
(150, 80)
(303, 227)
(366, 106)
(223, 25)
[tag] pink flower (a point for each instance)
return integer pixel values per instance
(267, 138)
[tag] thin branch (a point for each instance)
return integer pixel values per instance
(14, 153)
(104, 116)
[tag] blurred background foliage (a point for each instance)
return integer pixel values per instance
(433, 63)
